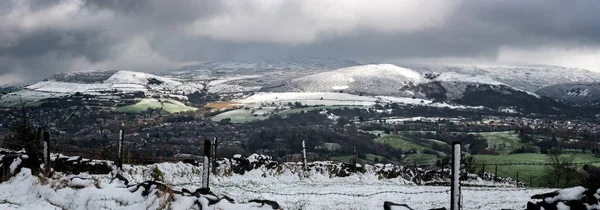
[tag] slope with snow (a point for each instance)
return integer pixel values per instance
(375, 79)
(307, 98)
(271, 63)
(528, 77)
(457, 77)
(102, 83)
(577, 94)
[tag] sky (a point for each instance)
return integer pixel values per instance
(39, 38)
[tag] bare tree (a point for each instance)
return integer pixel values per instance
(25, 136)
(561, 170)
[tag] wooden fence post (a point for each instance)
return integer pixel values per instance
(304, 155)
(531, 182)
(205, 163)
(416, 168)
(46, 150)
(214, 156)
(354, 158)
(483, 169)
(455, 187)
(496, 173)
(121, 149)
(517, 178)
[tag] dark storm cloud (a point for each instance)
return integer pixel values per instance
(38, 38)
(479, 28)
(562, 20)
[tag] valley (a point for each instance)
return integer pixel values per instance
(391, 114)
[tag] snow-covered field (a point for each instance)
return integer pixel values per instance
(336, 99)
(308, 98)
(289, 186)
(367, 195)
(290, 191)
(168, 105)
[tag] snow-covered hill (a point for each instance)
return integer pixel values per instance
(96, 82)
(464, 78)
(390, 80)
(576, 94)
(272, 63)
(103, 83)
(473, 85)
(376, 79)
(529, 78)
(230, 76)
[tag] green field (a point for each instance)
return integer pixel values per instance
(400, 142)
(502, 142)
(168, 105)
(527, 173)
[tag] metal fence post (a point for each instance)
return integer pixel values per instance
(205, 163)
(455, 187)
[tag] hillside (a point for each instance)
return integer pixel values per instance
(497, 87)
(529, 77)
(271, 63)
(375, 79)
(451, 87)
(575, 94)
(102, 83)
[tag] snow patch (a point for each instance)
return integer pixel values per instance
(13, 166)
(575, 193)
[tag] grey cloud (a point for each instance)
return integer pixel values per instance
(563, 20)
(471, 28)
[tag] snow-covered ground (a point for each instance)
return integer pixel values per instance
(308, 98)
(336, 99)
(289, 186)
(373, 79)
(529, 77)
(457, 77)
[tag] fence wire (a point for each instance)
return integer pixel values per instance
(337, 193)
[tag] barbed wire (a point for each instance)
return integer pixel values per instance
(535, 164)
(338, 193)
(489, 189)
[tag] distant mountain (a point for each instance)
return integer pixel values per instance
(229, 76)
(8, 88)
(375, 79)
(496, 87)
(391, 80)
(273, 63)
(529, 78)
(102, 83)
(97, 82)
(575, 94)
